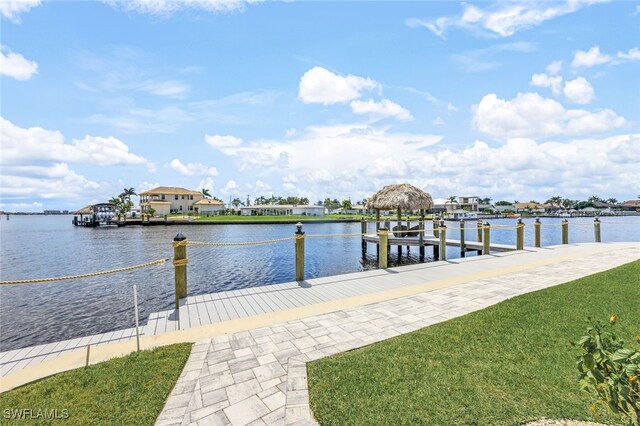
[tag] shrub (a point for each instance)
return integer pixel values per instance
(610, 371)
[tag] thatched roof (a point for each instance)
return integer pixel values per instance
(403, 196)
(85, 210)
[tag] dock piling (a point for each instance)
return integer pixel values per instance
(565, 231)
(180, 261)
(596, 229)
(443, 241)
(520, 235)
(299, 243)
(537, 226)
(479, 233)
(135, 308)
(383, 233)
(486, 238)
(421, 236)
(463, 249)
(363, 230)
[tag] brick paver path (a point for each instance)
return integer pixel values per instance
(258, 376)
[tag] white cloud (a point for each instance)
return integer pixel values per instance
(15, 65)
(501, 18)
(632, 55)
(230, 188)
(20, 146)
(579, 91)
(224, 143)
(589, 58)
(192, 169)
(452, 108)
(169, 7)
(530, 115)
(319, 85)
(554, 68)
(438, 121)
(12, 9)
(543, 80)
(170, 88)
(379, 110)
(206, 183)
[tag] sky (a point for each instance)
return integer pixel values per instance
(510, 100)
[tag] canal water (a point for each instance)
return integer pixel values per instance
(49, 246)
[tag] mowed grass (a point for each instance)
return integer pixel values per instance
(504, 365)
(130, 390)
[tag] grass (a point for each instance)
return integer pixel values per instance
(275, 219)
(503, 365)
(130, 390)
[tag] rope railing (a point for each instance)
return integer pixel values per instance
(92, 274)
(243, 243)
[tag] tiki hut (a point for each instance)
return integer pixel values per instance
(400, 197)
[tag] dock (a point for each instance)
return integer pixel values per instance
(206, 315)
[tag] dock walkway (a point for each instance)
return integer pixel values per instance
(209, 314)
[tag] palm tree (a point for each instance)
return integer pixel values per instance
(128, 192)
(206, 193)
(236, 202)
(451, 201)
(612, 200)
(346, 205)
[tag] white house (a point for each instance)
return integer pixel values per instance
(209, 207)
(282, 210)
(169, 199)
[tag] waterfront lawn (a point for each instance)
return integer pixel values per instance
(130, 390)
(236, 218)
(503, 365)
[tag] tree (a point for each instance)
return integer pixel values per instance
(595, 198)
(554, 201)
(503, 203)
(346, 205)
(206, 193)
(236, 203)
(567, 203)
(451, 201)
(612, 200)
(128, 192)
(485, 200)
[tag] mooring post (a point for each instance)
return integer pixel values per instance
(486, 238)
(443, 241)
(377, 220)
(479, 229)
(565, 231)
(520, 235)
(596, 229)
(421, 236)
(436, 222)
(180, 265)
(383, 234)
(363, 230)
(463, 248)
(299, 239)
(86, 364)
(537, 226)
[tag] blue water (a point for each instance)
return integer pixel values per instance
(48, 246)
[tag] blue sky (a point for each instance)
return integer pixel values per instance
(509, 100)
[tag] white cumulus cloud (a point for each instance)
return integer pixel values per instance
(579, 91)
(15, 65)
(589, 58)
(529, 115)
(170, 7)
(12, 9)
(544, 80)
(319, 85)
(192, 169)
(225, 143)
(379, 110)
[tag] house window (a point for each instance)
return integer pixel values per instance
(191, 197)
(163, 196)
(183, 197)
(190, 208)
(180, 208)
(176, 196)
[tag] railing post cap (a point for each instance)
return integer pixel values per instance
(299, 228)
(179, 237)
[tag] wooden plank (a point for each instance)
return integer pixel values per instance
(221, 310)
(203, 314)
(268, 303)
(194, 318)
(233, 301)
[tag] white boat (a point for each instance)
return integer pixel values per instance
(461, 215)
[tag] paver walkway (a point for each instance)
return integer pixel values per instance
(258, 376)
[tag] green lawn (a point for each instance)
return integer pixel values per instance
(130, 390)
(504, 365)
(236, 218)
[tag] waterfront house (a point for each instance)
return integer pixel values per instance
(529, 208)
(96, 213)
(169, 199)
(469, 202)
(209, 207)
(282, 210)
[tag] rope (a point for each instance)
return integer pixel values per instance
(93, 274)
(334, 235)
(181, 262)
(246, 243)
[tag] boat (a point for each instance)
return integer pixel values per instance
(460, 214)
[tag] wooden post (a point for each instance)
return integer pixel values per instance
(299, 235)
(486, 238)
(377, 220)
(479, 235)
(463, 249)
(596, 229)
(135, 308)
(421, 236)
(565, 231)
(86, 364)
(436, 247)
(520, 235)
(180, 265)
(363, 230)
(443, 241)
(383, 233)
(537, 232)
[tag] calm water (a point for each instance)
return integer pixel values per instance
(48, 246)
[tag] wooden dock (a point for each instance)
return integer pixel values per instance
(431, 240)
